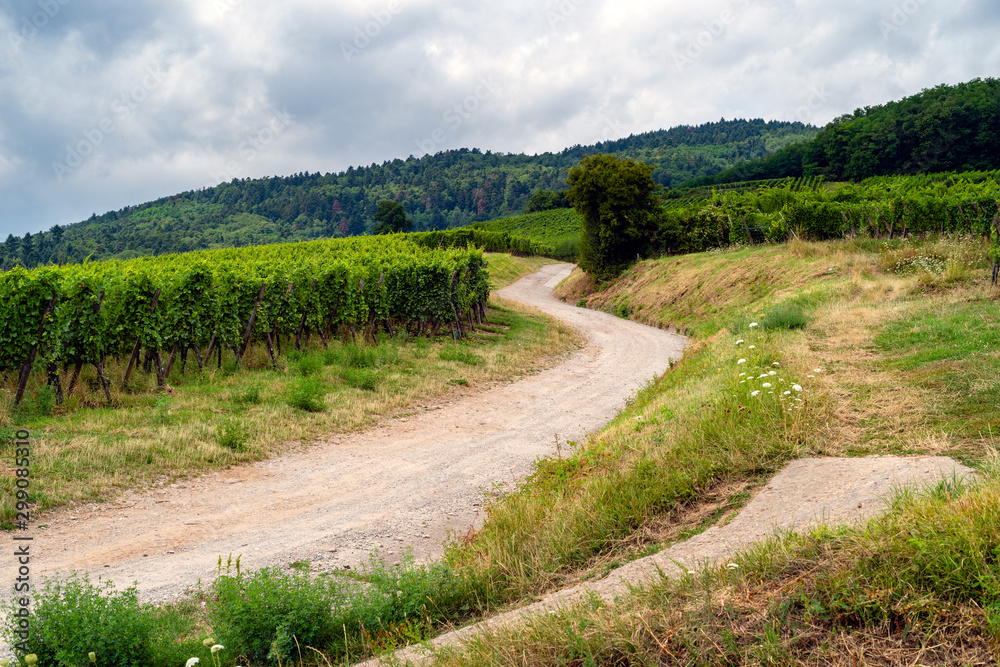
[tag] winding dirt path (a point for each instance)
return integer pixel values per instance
(406, 483)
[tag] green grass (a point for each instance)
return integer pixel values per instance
(952, 353)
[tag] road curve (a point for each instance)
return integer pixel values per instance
(405, 483)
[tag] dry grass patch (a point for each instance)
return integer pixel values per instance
(701, 293)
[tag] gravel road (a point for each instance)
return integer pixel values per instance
(405, 483)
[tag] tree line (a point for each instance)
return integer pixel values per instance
(450, 189)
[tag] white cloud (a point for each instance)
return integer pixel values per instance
(559, 73)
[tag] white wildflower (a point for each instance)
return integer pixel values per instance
(740, 341)
(755, 392)
(776, 364)
(217, 648)
(754, 324)
(192, 662)
(766, 385)
(771, 373)
(787, 393)
(741, 361)
(796, 387)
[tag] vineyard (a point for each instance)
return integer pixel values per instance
(154, 311)
(883, 207)
(557, 228)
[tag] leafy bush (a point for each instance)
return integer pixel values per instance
(308, 394)
(74, 617)
(259, 616)
(358, 356)
(38, 404)
(310, 364)
(397, 598)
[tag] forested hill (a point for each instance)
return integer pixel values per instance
(450, 189)
(946, 128)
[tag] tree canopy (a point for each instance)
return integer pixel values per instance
(620, 212)
(391, 218)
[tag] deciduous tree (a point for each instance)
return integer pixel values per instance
(620, 212)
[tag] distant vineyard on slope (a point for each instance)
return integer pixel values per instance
(558, 228)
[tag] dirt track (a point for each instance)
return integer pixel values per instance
(403, 484)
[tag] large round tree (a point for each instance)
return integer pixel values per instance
(616, 199)
(391, 218)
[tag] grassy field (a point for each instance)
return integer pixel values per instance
(84, 451)
(893, 350)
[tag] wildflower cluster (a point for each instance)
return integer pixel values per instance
(934, 257)
(760, 378)
(214, 648)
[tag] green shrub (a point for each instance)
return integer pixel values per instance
(395, 596)
(73, 617)
(231, 434)
(368, 379)
(311, 364)
(785, 316)
(359, 356)
(38, 404)
(259, 616)
(308, 394)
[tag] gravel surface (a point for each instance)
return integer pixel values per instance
(405, 483)
(806, 493)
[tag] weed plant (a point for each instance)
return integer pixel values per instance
(232, 434)
(73, 617)
(269, 616)
(308, 394)
(787, 315)
(365, 378)
(460, 354)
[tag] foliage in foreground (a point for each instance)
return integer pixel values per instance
(262, 618)
(918, 585)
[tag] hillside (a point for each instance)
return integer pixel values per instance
(946, 128)
(449, 189)
(558, 228)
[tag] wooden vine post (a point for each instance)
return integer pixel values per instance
(995, 245)
(138, 343)
(302, 323)
(249, 329)
(25, 371)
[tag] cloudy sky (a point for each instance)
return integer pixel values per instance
(106, 103)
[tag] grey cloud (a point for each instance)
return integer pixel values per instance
(571, 71)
